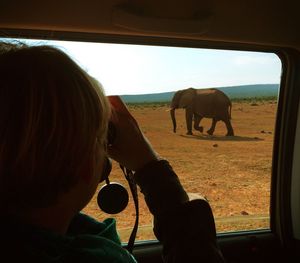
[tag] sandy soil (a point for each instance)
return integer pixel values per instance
(233, 173)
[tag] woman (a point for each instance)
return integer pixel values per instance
(53, 152)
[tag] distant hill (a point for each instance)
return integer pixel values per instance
(251, 91)
(233, 92)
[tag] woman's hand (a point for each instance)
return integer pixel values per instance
(129, 147)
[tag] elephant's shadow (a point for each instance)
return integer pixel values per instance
(206, 137)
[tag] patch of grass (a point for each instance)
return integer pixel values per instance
(255, 99)
(139, 105)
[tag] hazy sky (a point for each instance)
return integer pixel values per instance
(133, 69)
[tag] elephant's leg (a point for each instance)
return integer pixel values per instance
(229, 127)
(197, 120)
(189, 120)
(213, 126)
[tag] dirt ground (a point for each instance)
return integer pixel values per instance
(233, 173)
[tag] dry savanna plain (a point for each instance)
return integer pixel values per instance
(233, 173)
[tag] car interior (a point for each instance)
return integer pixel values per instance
(262, 33)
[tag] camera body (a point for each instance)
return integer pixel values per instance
(112, 197)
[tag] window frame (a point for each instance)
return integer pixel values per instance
(285, 127)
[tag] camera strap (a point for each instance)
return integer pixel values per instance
(133, 188)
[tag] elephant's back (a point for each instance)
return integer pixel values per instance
(211, 92)
(207, 92)
(212, 96)
(211, 103)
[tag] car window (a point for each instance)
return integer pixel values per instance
(232, 172)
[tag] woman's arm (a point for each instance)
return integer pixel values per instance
(185, 228)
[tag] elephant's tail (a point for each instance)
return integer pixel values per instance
(230, 106)
(172, 112)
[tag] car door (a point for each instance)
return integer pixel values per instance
(277, 240)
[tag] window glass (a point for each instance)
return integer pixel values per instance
(232, 172)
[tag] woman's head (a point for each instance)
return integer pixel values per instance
(51, 116)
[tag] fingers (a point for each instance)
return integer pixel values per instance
(119, 106)
(130, 147)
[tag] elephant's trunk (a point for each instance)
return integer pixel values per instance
(172, 112)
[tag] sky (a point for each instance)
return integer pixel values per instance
(139, 69)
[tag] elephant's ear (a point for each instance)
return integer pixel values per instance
(186, 98)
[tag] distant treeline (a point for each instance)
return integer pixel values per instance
(245, 92)
(153, 105)
(255, 99)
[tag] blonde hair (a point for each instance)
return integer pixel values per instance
(51, 114)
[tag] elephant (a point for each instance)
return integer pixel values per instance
(202, 103)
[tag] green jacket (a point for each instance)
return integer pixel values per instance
(96, 242)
